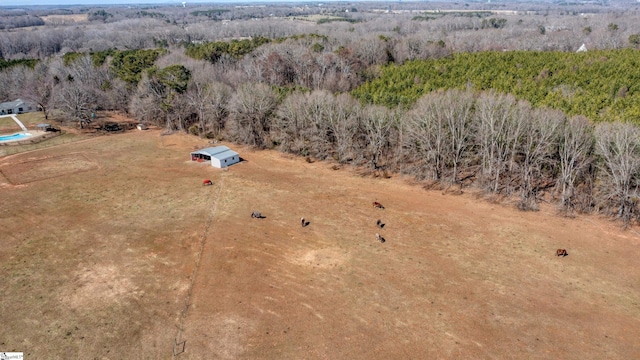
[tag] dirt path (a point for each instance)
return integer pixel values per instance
(180, 342)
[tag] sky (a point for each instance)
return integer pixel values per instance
(102, 2)
(14, 3)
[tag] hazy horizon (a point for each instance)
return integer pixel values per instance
(14, 3)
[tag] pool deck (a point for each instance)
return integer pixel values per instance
(37, 135)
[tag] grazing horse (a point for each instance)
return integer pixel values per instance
(561, 252)
(302, 222)
(380, 224)
(256, 215)
(377, 205)
(380, 238)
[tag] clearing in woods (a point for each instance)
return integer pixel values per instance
(98, 253)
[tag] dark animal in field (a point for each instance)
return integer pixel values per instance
(257, 215)
(380, 224)
(377, 205)
(380, 238)
(51, 129)
(561, 252)
(304, 223)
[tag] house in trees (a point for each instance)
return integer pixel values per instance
(220, 156)
(18, 106)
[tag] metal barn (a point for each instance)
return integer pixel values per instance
(220, 156)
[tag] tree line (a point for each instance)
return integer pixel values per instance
(451, 139)
(303, 93)
(447, 139)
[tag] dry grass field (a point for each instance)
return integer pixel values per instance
(123, 253)
(65, 19)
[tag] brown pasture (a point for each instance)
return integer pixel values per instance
(65, 19)
(125, 255)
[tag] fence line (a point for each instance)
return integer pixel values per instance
(179, 344)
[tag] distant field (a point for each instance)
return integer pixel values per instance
(315, 17)
(132, 258)
(65, 19)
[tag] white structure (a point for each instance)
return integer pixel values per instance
(582, 48)
(220, 156)
(18, 106)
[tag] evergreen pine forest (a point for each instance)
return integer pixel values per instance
(602, 85)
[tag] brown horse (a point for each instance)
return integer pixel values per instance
(561, 252)
(377, 205)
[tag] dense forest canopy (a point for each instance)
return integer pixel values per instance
(486, 95)
(603, 85)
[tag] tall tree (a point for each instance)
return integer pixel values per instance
(457, 111)
(539, 141)
(209, 100)
(427, 135)
(343, 116)
(619, 146)
(160, 91)
(377, 122)
(575, 154)
(498, 133)
(250, 111)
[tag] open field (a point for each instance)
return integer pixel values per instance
(65, 19)
(100, 260)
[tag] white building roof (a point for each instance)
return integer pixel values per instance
(218, 152)
(11, 104)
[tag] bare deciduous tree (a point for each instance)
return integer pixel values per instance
(427, 136)
(575, 154)
(293, 130)
(343, 115)
(209, 100)
(377, 122)
(498, 133)
(457, 111)
(539, 141)
(76, 101)
(250, 111)
(619, 146)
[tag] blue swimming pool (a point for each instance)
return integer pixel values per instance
(18, 136)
